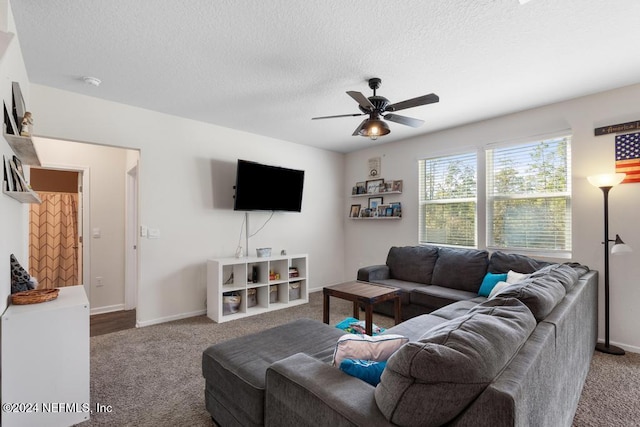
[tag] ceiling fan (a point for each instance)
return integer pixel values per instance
(376, 106)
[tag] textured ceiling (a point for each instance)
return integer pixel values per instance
(267, 67)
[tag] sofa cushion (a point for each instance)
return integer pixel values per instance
(436, 297)
(461, 269)
(429, 382)
(457, 309)
(565, 274)
(501, 262)
(415, 327)
(541, 294)
(412, 263)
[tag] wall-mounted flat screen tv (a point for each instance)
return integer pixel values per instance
(267, 188)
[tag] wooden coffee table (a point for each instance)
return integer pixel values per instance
(362, 293)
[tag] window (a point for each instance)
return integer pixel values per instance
(529, 196)
(448, 200)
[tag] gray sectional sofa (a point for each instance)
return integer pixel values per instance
(518, 359)
(431, 277)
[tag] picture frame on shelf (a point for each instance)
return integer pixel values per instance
(355, 211)
(397, 185)
(374, 185)
(388, 211)
(397, 209)
(365, 213)
(388, 186)
(18, 163)
(19, 108)
(6, 173)
(18, 182)
(360, 188)
(382, 210)
(9, 123)
(374, 202)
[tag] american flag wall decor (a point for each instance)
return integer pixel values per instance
(628, 156)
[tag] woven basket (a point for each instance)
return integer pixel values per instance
(34, 296)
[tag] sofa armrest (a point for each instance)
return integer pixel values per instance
(373, 273)
(303, 391)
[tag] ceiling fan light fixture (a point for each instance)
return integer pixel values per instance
(374, 128)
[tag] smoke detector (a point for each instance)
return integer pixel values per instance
(94, 81)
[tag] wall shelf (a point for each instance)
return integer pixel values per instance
(29, 196)
(376, 218)
(24, 149)
(379, 194)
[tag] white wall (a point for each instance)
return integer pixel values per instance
(13, 215)
(187, 171)
(106, 168)
(367, 242)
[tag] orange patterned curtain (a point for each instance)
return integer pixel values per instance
(53, 240)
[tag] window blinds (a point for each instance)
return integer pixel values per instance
(529, 196)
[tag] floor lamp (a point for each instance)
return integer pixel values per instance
(606, 182)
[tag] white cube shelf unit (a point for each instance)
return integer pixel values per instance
(274, 286)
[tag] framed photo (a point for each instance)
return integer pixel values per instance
(388, 211)
(360, 188)
(374, 185)
(355, 211)
(397, 209)
(365, 213)
(397, 186)
(10, 123)
(18, 104)
(374, 202)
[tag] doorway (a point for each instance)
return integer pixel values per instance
(55, 228)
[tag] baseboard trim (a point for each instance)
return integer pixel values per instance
(106, 309)
(143, 323)
(626, 347)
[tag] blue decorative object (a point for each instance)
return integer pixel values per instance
(489, 281)
(352, 325)
(366, 370)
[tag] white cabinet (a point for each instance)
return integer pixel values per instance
(45, 361)
(240, 287)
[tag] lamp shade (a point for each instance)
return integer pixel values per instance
(374, 128)
(606, 179)
(620, 247)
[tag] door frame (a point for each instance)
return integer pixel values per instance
(131, 238)
(84, 219)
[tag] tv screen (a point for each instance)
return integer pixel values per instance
(267, 188)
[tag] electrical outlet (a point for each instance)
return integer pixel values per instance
(99, 281)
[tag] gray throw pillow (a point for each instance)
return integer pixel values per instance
(429, 382)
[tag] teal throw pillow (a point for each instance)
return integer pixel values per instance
(367, 370)
(489, 281)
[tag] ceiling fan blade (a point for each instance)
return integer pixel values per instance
(359, 128)
(339, 115)
(362, 100)
(404, 120)
(414, 102)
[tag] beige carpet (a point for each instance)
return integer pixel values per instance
(152, 376)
